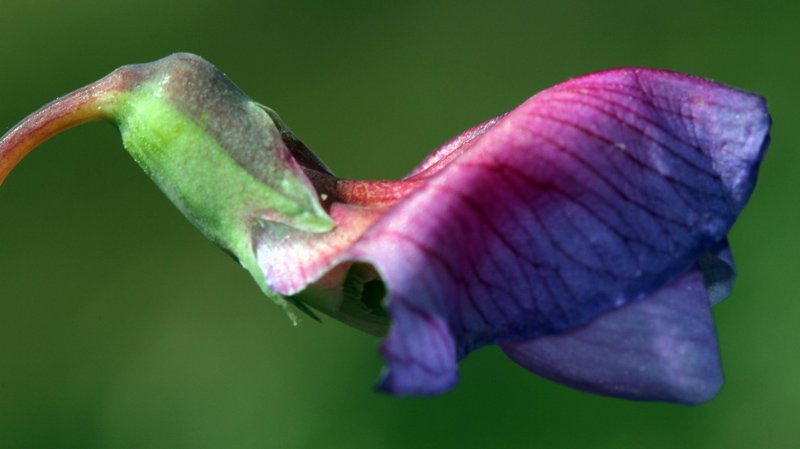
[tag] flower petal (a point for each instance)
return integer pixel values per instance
(420, 352)
(662, 348)
(590, 195)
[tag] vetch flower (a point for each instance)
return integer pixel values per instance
(584, 231)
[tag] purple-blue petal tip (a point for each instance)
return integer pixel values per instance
(661, 348)
(420, 353)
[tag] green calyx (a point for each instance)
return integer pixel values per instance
(216, 193)
(223, 180)
(216, 154)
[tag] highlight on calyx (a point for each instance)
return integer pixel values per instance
(584, 232)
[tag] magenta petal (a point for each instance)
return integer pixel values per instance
(662, 348)
(590, 195)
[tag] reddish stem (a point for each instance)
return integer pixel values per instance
(92, 102)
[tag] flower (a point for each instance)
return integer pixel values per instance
(584, 232)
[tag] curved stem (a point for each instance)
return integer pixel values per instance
(92, 102)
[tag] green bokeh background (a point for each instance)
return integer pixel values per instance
(121, 327)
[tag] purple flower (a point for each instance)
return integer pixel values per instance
(584, 232)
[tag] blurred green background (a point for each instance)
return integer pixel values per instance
(121, 327)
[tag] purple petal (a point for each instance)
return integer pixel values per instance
(662, 348)
(420, 352)
(590, 195)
